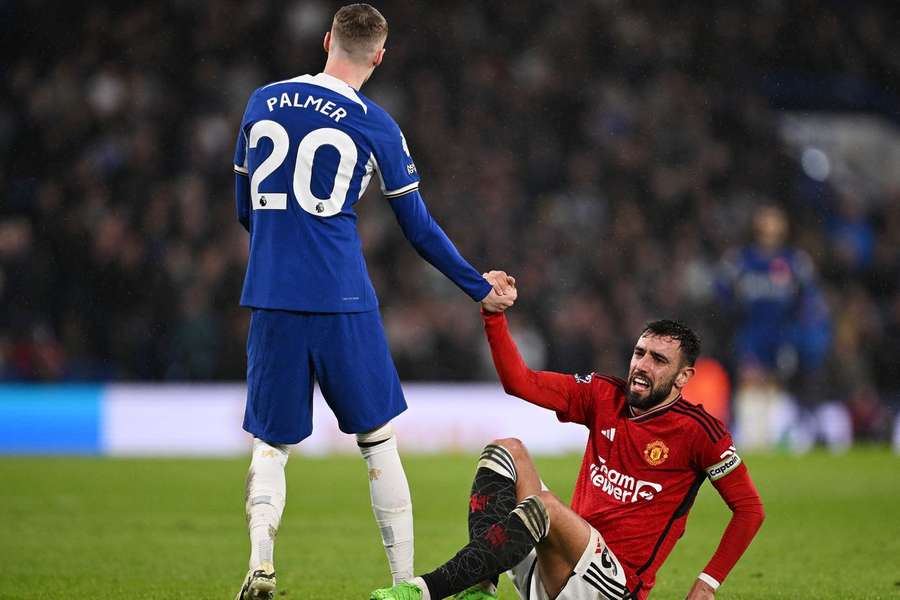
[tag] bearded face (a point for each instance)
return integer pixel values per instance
(655, 364)
(644, 393)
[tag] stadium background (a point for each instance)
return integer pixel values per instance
(608, 155)
(611, 155)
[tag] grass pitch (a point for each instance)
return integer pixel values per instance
(141, 529)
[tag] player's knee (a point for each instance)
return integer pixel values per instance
(551, 502)
(263, 450)
(549, 499)
(516, 448)
(380, 436)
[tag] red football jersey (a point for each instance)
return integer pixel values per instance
(640, 474)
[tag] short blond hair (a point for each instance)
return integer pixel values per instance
(359, 29)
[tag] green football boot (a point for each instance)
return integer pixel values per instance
(477, 592)
(401, 591)
(259, 584)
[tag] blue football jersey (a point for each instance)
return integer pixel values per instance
(767, 288)
(309, 147)
(777, 303)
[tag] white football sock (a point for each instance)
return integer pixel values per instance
(391, 501)
(265, 497)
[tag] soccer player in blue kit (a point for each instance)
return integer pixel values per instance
(306, 150)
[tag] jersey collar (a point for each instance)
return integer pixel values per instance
(328, 82)
(654, 412)
(335, 85)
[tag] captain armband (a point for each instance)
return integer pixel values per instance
(725, 466)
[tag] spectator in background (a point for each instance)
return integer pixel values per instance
(851, 236)
(782, 334)
(120, 258)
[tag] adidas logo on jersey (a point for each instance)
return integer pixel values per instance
(609, 434)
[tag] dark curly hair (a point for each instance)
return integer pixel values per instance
(690, 341)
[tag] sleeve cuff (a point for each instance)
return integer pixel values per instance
(708, 581)
(391, 194)
(488, 316)
(241, 170)
(482, 293)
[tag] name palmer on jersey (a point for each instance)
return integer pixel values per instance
(305, 254)
(297, 202)
(305, 101)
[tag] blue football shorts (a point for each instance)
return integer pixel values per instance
(347, 353)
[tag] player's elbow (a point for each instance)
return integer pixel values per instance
(419, 241)
(512, 391)
(754, 514)
(756, 505)
(512, 386)
(419, 232)
(758, 520)
(508, 386)
(419, 237)
(749, 510)
(519, 381)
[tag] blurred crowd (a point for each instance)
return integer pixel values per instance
(612, 156)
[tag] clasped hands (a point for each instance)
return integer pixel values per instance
(503, 294)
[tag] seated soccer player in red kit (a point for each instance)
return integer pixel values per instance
(647, 455)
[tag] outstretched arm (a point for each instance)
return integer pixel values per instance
(433, 245)
(543, 388)
(740, 495)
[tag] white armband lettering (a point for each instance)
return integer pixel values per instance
(723, 468)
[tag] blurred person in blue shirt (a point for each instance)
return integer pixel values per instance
(851, 235)
(782, 327)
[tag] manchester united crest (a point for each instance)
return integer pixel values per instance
(656, 453)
